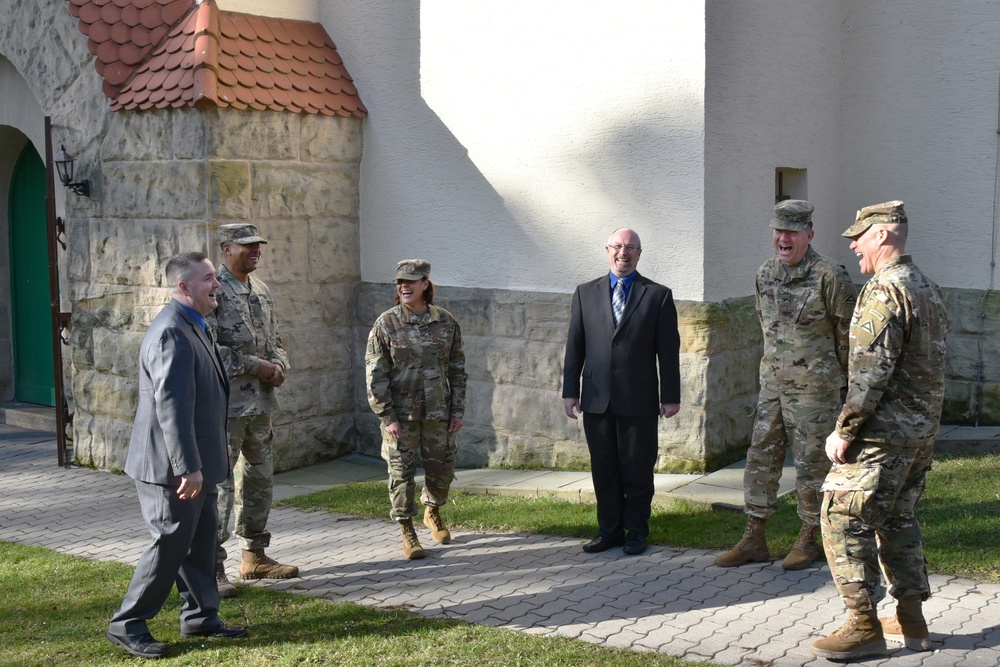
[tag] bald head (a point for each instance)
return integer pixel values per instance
(624, 249)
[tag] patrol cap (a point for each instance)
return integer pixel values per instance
(792, 215)
(241, 232)
(878, 214)
(413, 269)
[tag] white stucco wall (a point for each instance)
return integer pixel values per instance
(772, 91)
(507, 139)
(920, 114)
(300, 10)
(19, 108)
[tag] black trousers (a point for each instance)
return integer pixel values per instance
(623, 454)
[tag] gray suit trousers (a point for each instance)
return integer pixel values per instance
(182, 552)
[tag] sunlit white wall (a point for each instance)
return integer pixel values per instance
(919, 102)
(507, 139)
(772, 100)
(300, 10)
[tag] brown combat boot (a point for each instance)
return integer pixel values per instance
(256, 565)
(411, 545)
(434, 522)
(908, 627)
(861, 635)
(226, 588)
(805, 550)
(751, 549)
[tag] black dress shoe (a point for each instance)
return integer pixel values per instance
(634, 545)
(143, 646)
(222, 632)
(601, 543)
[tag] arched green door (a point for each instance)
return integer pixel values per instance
(34, 380)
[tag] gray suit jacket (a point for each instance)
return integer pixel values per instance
(180, 425)
(618, 366)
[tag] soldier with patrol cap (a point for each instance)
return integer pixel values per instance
(415, 371)
(804, 302)
(883, 443)
(246, 330)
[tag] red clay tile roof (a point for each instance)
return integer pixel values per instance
(155, 54)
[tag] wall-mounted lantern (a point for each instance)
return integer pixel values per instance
(64, 167)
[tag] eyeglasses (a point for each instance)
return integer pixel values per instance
(618, 246)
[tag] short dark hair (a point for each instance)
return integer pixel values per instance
(179, 266)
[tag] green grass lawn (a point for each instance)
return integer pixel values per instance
(960, 515)
(54, 610)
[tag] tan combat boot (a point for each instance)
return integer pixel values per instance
(908, 627)
(434, 522)
(256, 565)
(861, 635)
(411, 545)
(226, 588)
(805, 550)
(751, 549)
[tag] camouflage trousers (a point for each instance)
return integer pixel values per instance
(869, 523)
(436, 447)
(799, 421)
(250, 487)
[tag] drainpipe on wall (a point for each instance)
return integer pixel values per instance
(59, 319)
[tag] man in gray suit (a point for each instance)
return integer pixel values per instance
(622, 327)
(177, 457)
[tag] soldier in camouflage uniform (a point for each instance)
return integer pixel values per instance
(415, 368)
(246, 329)
(804, 302)
(883, 443)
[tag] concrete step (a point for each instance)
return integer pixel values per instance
(28, 415)
(975, 439)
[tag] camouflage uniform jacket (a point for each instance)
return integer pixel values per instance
(415, 366)
(805, 314)
(246, 329)
(895, 388)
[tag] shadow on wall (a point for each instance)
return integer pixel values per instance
(515, 339)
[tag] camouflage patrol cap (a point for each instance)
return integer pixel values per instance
(792, 215)
(241, 232)
(413, 269)
(878, 214)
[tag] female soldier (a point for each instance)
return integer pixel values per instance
(415, 367)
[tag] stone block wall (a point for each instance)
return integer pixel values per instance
(166, 180)
(514, 344)
(972, 385)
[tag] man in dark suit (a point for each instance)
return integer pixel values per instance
(622, 326)
(177, 457)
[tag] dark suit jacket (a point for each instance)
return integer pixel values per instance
(619, 366)
(180, 425)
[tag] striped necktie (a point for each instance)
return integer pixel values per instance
(618, 301)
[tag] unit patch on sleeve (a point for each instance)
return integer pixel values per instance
(873, 321)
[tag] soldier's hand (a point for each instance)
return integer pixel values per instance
(571, 406)
(395, 429)
(836, 448)
(278, 378)
(455, 424)
(265, 370)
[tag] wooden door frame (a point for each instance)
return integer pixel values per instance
(59, 319)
